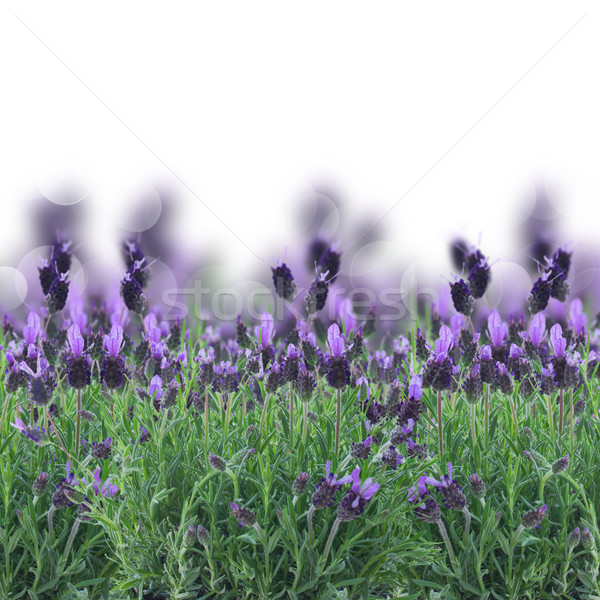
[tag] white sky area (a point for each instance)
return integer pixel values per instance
(438, 117)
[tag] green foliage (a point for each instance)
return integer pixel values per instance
(134, 545)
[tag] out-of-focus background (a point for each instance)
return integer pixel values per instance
(226, 132)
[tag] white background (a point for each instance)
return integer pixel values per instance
(445, 113)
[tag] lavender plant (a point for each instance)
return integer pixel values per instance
(165, 460)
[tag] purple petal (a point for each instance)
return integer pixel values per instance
(444, 342)
(370, 491)
(536, 328)
(333, 334)
(75, 340)
(558, 342)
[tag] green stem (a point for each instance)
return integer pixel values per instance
(440, 425)
(513, 410)
(206, 421)
(72, 535)
(235, 483)
(446, 540)
(78, 423)
(227, 399)
(304, 420)
(51, 524)
(467, 523)
(543, 482)
(309, 518)
(4, 410)
(550, 415)
(338, 420)
(561, 410)
(332, 533)
(487, 415)
(572, 415)
(264, 414)
(291, 414)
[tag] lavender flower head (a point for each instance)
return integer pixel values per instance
(533, 518)
(113, 365)
(451, 491)
(338, 368)
(78, 365)
(426, 508)
(37, 435)
(244, 516)
(325, 490)
(355, 500)
(283, 280)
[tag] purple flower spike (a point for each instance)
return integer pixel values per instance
(558, 341)
(75, 340)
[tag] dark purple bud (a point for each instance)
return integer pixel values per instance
(533, 518)
(429, 512)
(78, 371)
(113, 369)
(101, 450)
(48, 275)
(330, 262)
(202, 535)
(57, 295)
(391, 458)
(461, 297)
(241, 334)
(316, 296)
(561, 464)
(300, 484)
(422, 348)
(40, 485)
(540, 295)
(338, 371)
(587, 539)
(216, 462)
(479, 278)
(284, 283)
(132, 294)
(244, 516)
(477, 486)
(189, 537)
(574, 538)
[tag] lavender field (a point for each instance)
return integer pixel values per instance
(149, 458)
